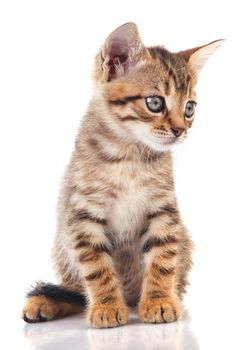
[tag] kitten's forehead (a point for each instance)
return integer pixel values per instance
(176, 74)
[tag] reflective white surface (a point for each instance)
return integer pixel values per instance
(72, 333)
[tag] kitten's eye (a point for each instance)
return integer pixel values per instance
(155, 103)
(189, 109)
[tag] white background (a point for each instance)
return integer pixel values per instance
(46, 55)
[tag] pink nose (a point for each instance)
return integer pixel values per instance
(177, 131)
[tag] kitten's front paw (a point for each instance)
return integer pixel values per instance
(160, 310)
(107, 315)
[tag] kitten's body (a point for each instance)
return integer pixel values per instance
(120, 238)
(127, 187)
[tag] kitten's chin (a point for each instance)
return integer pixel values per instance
(157, 144)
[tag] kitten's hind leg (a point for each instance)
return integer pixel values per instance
(47, 301)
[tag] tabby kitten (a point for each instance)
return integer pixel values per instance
(120, 238)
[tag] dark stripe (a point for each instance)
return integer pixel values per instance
(108, 300)
(82, 215)
(101, 293)
(156, 294)
(167, 87)
(82, 244)
(92, 142)
(79, 215)
(142, 116)
(107, 158)
(167, 209)
(145, 118)
(85, 240)
(101, 248)
(57, 293)
(93, 252)
(93, 276)
(145, 229)
(158, 270)
(88, 257)
(96, 248)
(157, 242)
(168, 254)
(79, 236)
(172, 73)
(128, 117)
(82, 235)
(106, 280)
(166, 271)
(125, 100)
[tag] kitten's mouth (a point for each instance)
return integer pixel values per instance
(169, 139)
(160, 143)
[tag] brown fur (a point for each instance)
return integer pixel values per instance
(120, 237)
(41, 307)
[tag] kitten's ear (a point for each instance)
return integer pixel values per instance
(198, 56)
(121, 50)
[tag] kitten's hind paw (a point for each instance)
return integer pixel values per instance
(39, 309)
(159, 310)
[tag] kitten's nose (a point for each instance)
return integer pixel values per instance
(177, 131)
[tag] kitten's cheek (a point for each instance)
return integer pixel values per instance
(140, 132)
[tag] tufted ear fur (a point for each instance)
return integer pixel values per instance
(121, 50)
(198, 56)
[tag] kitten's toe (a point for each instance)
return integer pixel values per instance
(39, 309)
(160, 310)
(107, 315)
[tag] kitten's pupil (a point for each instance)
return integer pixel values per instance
(155, 103)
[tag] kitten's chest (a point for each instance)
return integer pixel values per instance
(127, 211)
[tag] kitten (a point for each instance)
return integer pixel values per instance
(120, 238)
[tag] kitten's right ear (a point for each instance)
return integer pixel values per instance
(121, 51)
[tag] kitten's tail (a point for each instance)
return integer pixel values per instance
(47, 301)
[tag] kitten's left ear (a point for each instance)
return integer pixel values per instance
(121, 50)
(198, 56)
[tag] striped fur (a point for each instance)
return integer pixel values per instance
(120, 237)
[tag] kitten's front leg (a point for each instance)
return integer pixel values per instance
(161, 245)
(92, 250)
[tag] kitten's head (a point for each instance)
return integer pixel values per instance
(149, 92)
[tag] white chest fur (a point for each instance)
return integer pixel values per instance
(126, 211)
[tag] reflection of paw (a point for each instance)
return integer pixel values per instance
(107, 315)
(158, 311)
(39, 309)
(118, 338)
